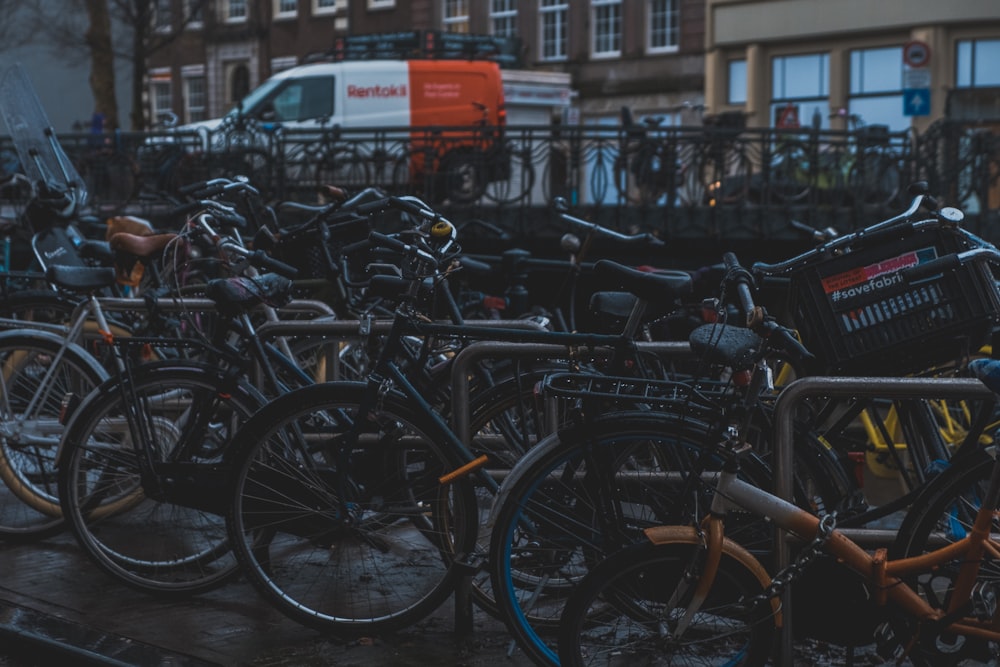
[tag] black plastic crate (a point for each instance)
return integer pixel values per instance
(860, 315)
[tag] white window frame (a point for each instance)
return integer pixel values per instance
(558, 11)
(670, 11)
(161, 7)
(188, 106)
(503, 12)
(199, 22)
(160, 79)
(279, 13)
(613, 37)
(237, 18)
(450, 20)
(381, 4)
(331, 8)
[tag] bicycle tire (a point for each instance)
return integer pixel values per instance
(343, 168)
(29, 502)
(163, 533)
(940, 515)
(874, 179)
(389, 564)
(621, 612)
(790, 173)
(534, 571)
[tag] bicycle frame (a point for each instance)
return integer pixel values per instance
(886, 576)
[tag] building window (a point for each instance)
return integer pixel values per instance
(664, 26)
(976, 63)
(236, 11)
(162, 98)
(553, 16)
(284, 9)
(324, 6)
(194, 99)
(877, 88)
(607, 24)
(162, 16)
(195, 14)
(379, 4)
(737, 82)
(456, 16)
(800, 88)
(503, 18)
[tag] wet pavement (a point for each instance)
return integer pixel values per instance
(58, 608)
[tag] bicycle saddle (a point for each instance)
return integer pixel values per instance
(652, 287)
(726, 344)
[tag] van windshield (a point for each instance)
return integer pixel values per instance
(251, 102)
(292, 99)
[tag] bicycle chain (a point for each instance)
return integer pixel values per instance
(788, 574)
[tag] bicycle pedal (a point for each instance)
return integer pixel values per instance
(469, 565)
(886, 645)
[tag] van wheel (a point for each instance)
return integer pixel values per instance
(462, 176)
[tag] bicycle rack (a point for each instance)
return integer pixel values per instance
(460, 374)
(844, 387)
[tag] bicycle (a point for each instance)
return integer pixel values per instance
(378, 466)
(690, 591)
(648, 166)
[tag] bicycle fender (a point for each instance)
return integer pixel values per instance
(59, 340)
(688, 535)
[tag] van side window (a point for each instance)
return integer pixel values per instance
(305, 99)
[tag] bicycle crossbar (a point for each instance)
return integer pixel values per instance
(786, 406)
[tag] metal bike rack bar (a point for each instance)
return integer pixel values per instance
(790, 399)
(460, 373)
(342, 331)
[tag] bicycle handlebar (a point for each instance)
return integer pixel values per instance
(562, 207)
(743, 280)
(901, 223)
(951, 262)
(257, 258)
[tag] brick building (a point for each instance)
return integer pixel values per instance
(645, 54)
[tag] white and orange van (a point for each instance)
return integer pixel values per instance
(384, 94)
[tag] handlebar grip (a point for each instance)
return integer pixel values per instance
(184, 209)
(931, 268)
(373, 206)
(737, 274)
(384, 241)
(262, 260)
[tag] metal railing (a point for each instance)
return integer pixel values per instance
(681, 182)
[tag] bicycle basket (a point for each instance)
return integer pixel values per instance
(859, 314)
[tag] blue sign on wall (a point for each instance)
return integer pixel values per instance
(916, 101)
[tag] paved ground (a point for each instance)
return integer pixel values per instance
(51, 597)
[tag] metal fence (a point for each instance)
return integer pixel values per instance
(705, 182)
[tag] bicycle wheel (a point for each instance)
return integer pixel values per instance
(38, 371)
(874, 179)
(343, 168)
(726, 178)
(790, 173)
(625, 612)
(943, 514)
(354, 541)
(157, 527)
(561, 512)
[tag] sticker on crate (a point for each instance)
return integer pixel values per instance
(878, 293)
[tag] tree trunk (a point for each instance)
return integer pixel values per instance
(102, 63)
